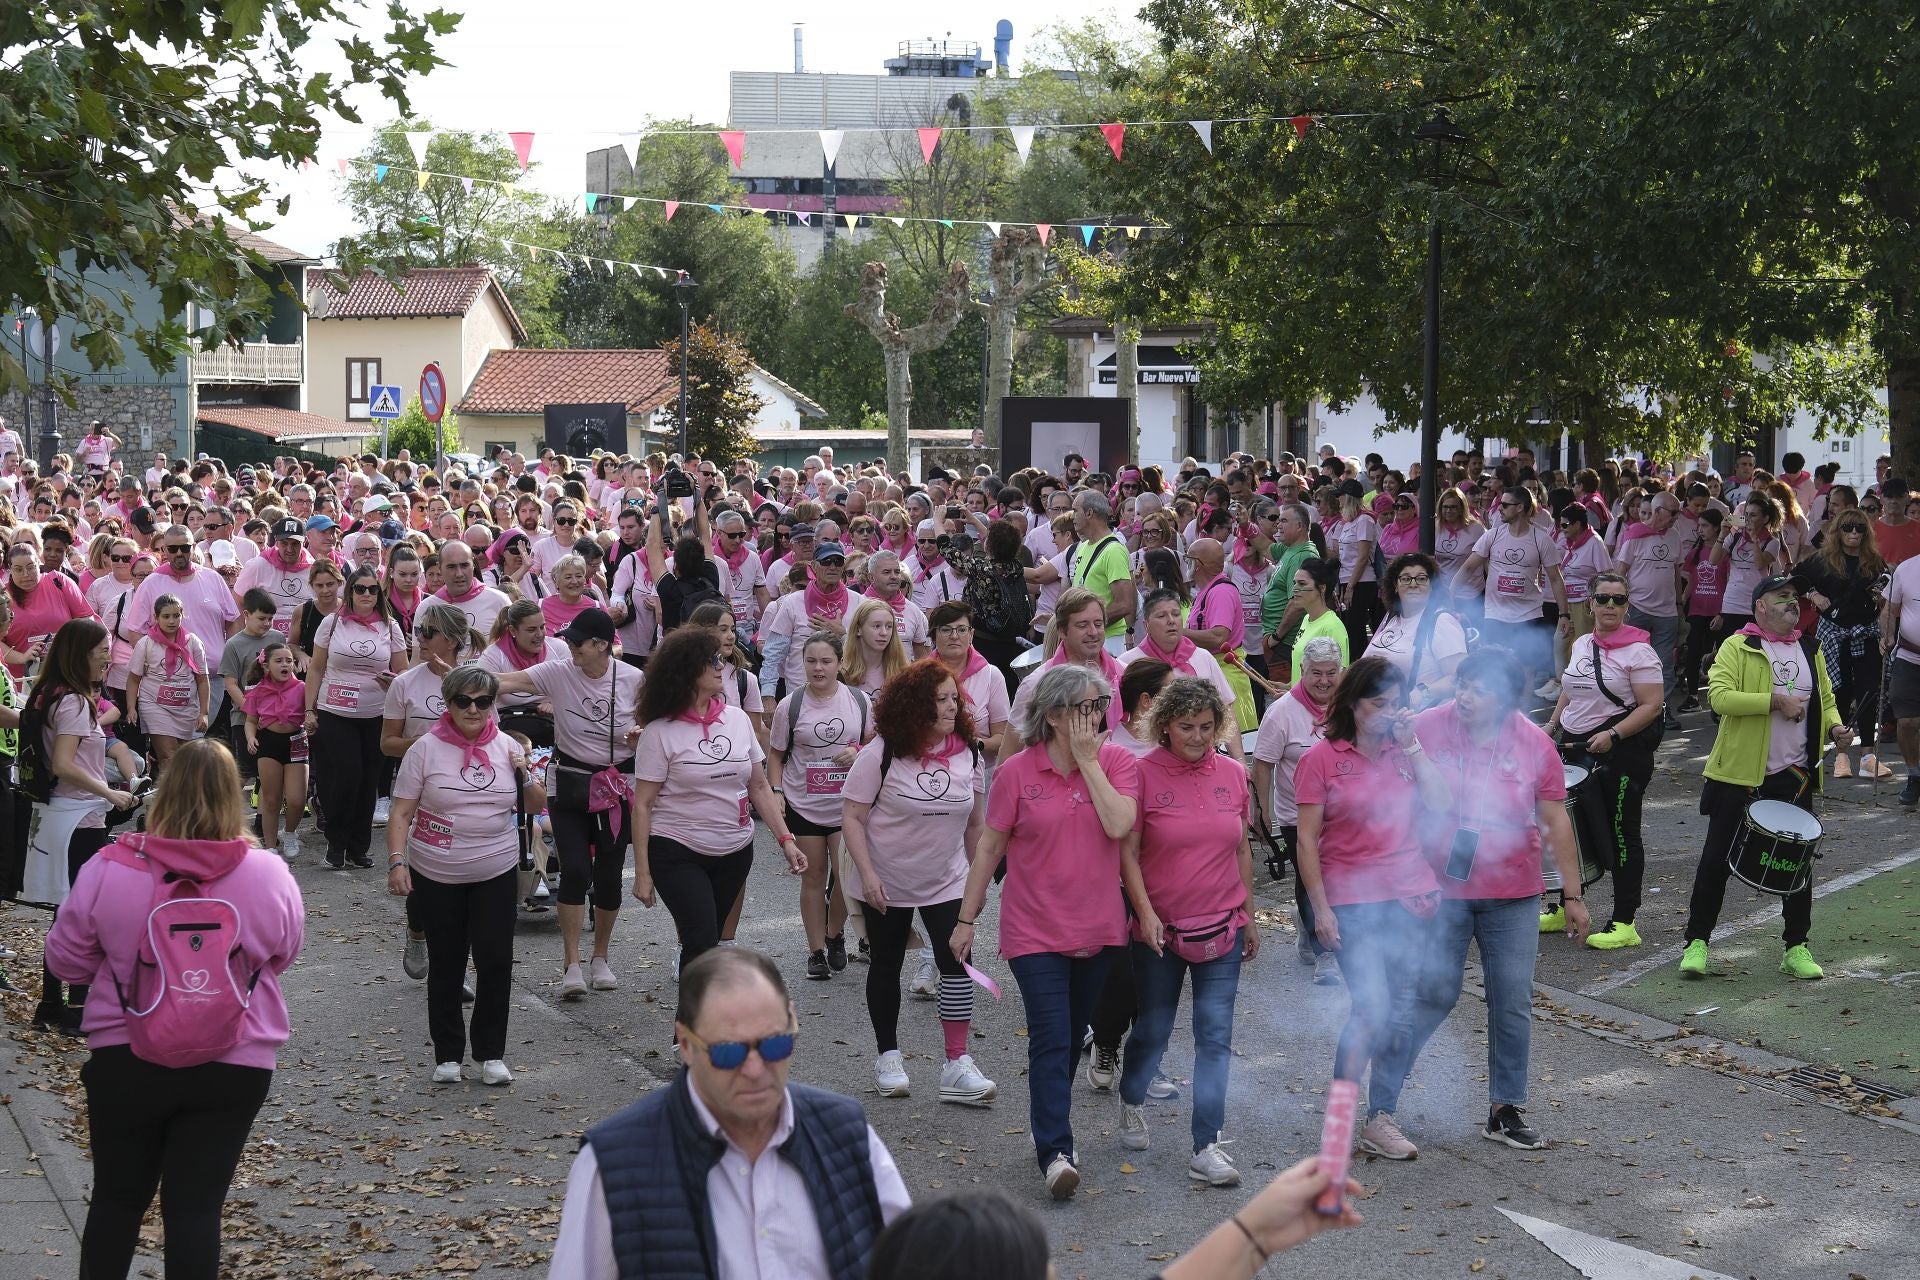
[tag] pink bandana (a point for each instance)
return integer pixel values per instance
(1753, 629)
(300, 564)
(1299, 691)
(473, 750)
(516, 659)
(831, 606)
(175, 647)
(734, 558)
(372, 621)
(1181, 659)
(946, 751)
(450, 598)
(1619, 637)
(716, 707)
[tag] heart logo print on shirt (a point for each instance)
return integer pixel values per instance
(1785, 673)
(1658, 551)
(1223, 796)
(362, 648)
(933, 783)
(1033, 791)
(195, 979)
(1580, 668)
(436, 705)
(828, 732)
(716, 748)
(289, 587)
(1163, 799)
(479, 775)
(1343, 767)
(1513, 555)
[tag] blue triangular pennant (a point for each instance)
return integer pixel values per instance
(380, 173)
(1086, 233)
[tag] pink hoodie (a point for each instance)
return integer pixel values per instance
(98, 931)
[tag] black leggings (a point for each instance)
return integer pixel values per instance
(589, 853)
(887, 934)
(346, 769)
(1699, 649)
(1611, 815)
(180, 1130)
(1856, 691)
(698, 889)
(16, 818)
(468, 919)
(1361, 616)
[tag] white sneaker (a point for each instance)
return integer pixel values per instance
(962, 1083)
(1134, 1135)
(926, 983)
(890, 1074)
(494, 1071)
(447, 1073)
(380, 810)
(289, 846)
(1103, 1065)
(413, 960)
(1551, 689)
(1062, 1178)
(1211, 1166)
(574, 984)
(603, 979)
(1162, 1088)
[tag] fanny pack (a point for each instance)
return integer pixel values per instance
(1200, 939)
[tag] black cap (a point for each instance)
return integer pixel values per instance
(590, 624)
(1778, 582)
(285, 529)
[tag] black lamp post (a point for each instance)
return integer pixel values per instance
(1441, 134)
(683, 287)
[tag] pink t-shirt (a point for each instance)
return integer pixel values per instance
(1621, 667)
(496, 659)
(357, 655)
(703, 774)
(72, 717)
(1199, 663)
(1903, 593)
(559, 613)
(1709, 586)
(917, 824)
(1347, 536)
(288, 587)
(1192, 819)
(809, 778)
(633, 587)
(1578, 565)
(1062, 892)
(177, 696)
(414, 700)
(1451, 547)
(108, 597)
(1787, 739)
(463, 830)
(1497, 790)
(206, 602)
(1652, 563)
(50, 605)
(1287, 732)
(1743, 570)
(276, 703)
(1515, 563)
(581, 711)
(481, 608)
(1218, 605)
(1395, 638)
(1369, 850)
(732, 685)
(985, 692)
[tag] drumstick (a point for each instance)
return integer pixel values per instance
(1233, 659)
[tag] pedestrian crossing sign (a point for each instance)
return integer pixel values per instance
(384, 402)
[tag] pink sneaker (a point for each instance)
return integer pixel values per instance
(1383, 1138)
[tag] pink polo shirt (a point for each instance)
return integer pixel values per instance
(703, 774)
(1218, 605)
(1497, 790)
(809, 778)
(357, 655)
(1062, 892)
(1191, 820)
(463, 830)
(52, 603)
(1369, 850)
(917, 825)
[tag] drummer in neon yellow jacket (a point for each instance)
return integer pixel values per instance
(1769, 686)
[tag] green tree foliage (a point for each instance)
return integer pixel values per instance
(1685, 190)
(116, 115)
(411, 431)
(721, 402)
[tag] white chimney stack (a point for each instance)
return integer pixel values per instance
(799, 59)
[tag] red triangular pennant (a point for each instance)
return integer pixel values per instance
(522, 146)
(736, 144)
(929, 139)
(1114, 133)
(1300, 125)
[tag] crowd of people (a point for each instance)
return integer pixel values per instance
(1076, 701)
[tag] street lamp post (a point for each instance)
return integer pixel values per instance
(1440, 133)
(683, 287)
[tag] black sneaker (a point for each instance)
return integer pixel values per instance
(837, 952)
(1910, 794)
(1505, 1125)
(817, 968)
(359, 860)
(864, 954)
(336, 858)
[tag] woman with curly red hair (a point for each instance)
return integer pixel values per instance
(913, 807)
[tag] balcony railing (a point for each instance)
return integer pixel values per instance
(254, 362)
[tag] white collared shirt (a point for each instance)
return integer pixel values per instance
(763, 1220)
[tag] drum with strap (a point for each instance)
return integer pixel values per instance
(1586, 848)
(1775, 847)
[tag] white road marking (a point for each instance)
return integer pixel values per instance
(1599, 1259)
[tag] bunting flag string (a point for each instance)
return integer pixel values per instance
(592, 262)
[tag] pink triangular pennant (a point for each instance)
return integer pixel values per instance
(466, 184)
(736, 144)
(1301, 124)
(929, 139)
(671, 206)
(1114, 134)
(1044, 230)
(341, 163)
(806, 219)
(522, 147)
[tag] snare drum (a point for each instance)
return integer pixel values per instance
(1028, 659)
(1775, 847)
(1550, 870)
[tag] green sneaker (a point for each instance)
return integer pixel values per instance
(1616, 935)
(1694, 963)
(1798, 963)
(1554, 921)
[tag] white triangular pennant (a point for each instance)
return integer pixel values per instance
(1205, 129)
(661, 272)
(898, 222)
(417, 141)
(1022, 139)
(630, 142)
(636, 271)
(994, 227)
(830, 140)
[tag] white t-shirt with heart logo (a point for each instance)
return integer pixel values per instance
(917, 826)
(703, 773)
(1787, 739)
(462, 831)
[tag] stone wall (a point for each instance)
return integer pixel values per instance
(959, 459)
(123, 407)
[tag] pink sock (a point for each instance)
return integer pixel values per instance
(956, 1033)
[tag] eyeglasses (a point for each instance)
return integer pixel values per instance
(1414, 580)
(1609, 599)
(956, 629)
(1094, 706)
(730, 1055)
(482, 703)
(121, 559)
(717, 662)
(366, 588)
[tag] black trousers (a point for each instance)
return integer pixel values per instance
(697, 888)
(1697, 652)
(887, 934)
(1608, 819)
(1856, 691)
(346, 767)
(1362, 614)
(590, 854)
(463, 920)
(1257, 663)
(1113, 1011)
(1726, 808)
(178, 1130)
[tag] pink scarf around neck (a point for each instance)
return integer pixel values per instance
(1181, 659)
(473, 750)
(1305, 699)
(716, 707)
(1110, 670)
(830, 605)
(519, 661)
(175, 647)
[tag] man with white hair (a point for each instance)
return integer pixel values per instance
(886, 581)
(932, 580)
(746, 577)
(812, 484)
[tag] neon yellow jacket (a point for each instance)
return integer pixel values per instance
(1740, 688)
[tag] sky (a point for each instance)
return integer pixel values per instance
(577, 72)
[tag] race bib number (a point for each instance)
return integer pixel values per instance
(431, 831)
(1510, 584)
(282, 625)
(297, 748)
(173, 695)
(1250, 618)
(746, 810)
(825, 779)
(341, 697)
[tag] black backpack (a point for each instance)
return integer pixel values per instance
(1002, 609)
(35, 768)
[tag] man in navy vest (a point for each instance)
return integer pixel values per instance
(729, 1171)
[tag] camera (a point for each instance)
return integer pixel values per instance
(676, 483)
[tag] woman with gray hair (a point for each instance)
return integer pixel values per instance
(1058, 811)
(1294, 723)
(1188, 857)
(453, 846)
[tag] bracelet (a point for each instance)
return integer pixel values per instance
(963, 920)
(787, 839)
(1264, 1254)
(1565, 899)
(396, 860)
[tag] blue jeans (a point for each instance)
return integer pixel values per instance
(1508, 931)
(1059, 993)
(1664, 635)
(1156, 981)
(1381, 950)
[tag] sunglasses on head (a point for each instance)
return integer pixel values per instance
(730, 1055)
(483, 702)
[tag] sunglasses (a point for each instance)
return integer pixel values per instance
(482, 703)
(121, 559)
(730, 1055)
(1853, 528)
(1609, 599)
(736, 534)
(174, 549)
(366, 588)
(560, 520)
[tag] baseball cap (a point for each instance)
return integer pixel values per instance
(374, 503)
(802, 531)
(316, 523)
(829, 551)
(590, 624)
(285, 529)
(390, 532)
(1778, 582)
